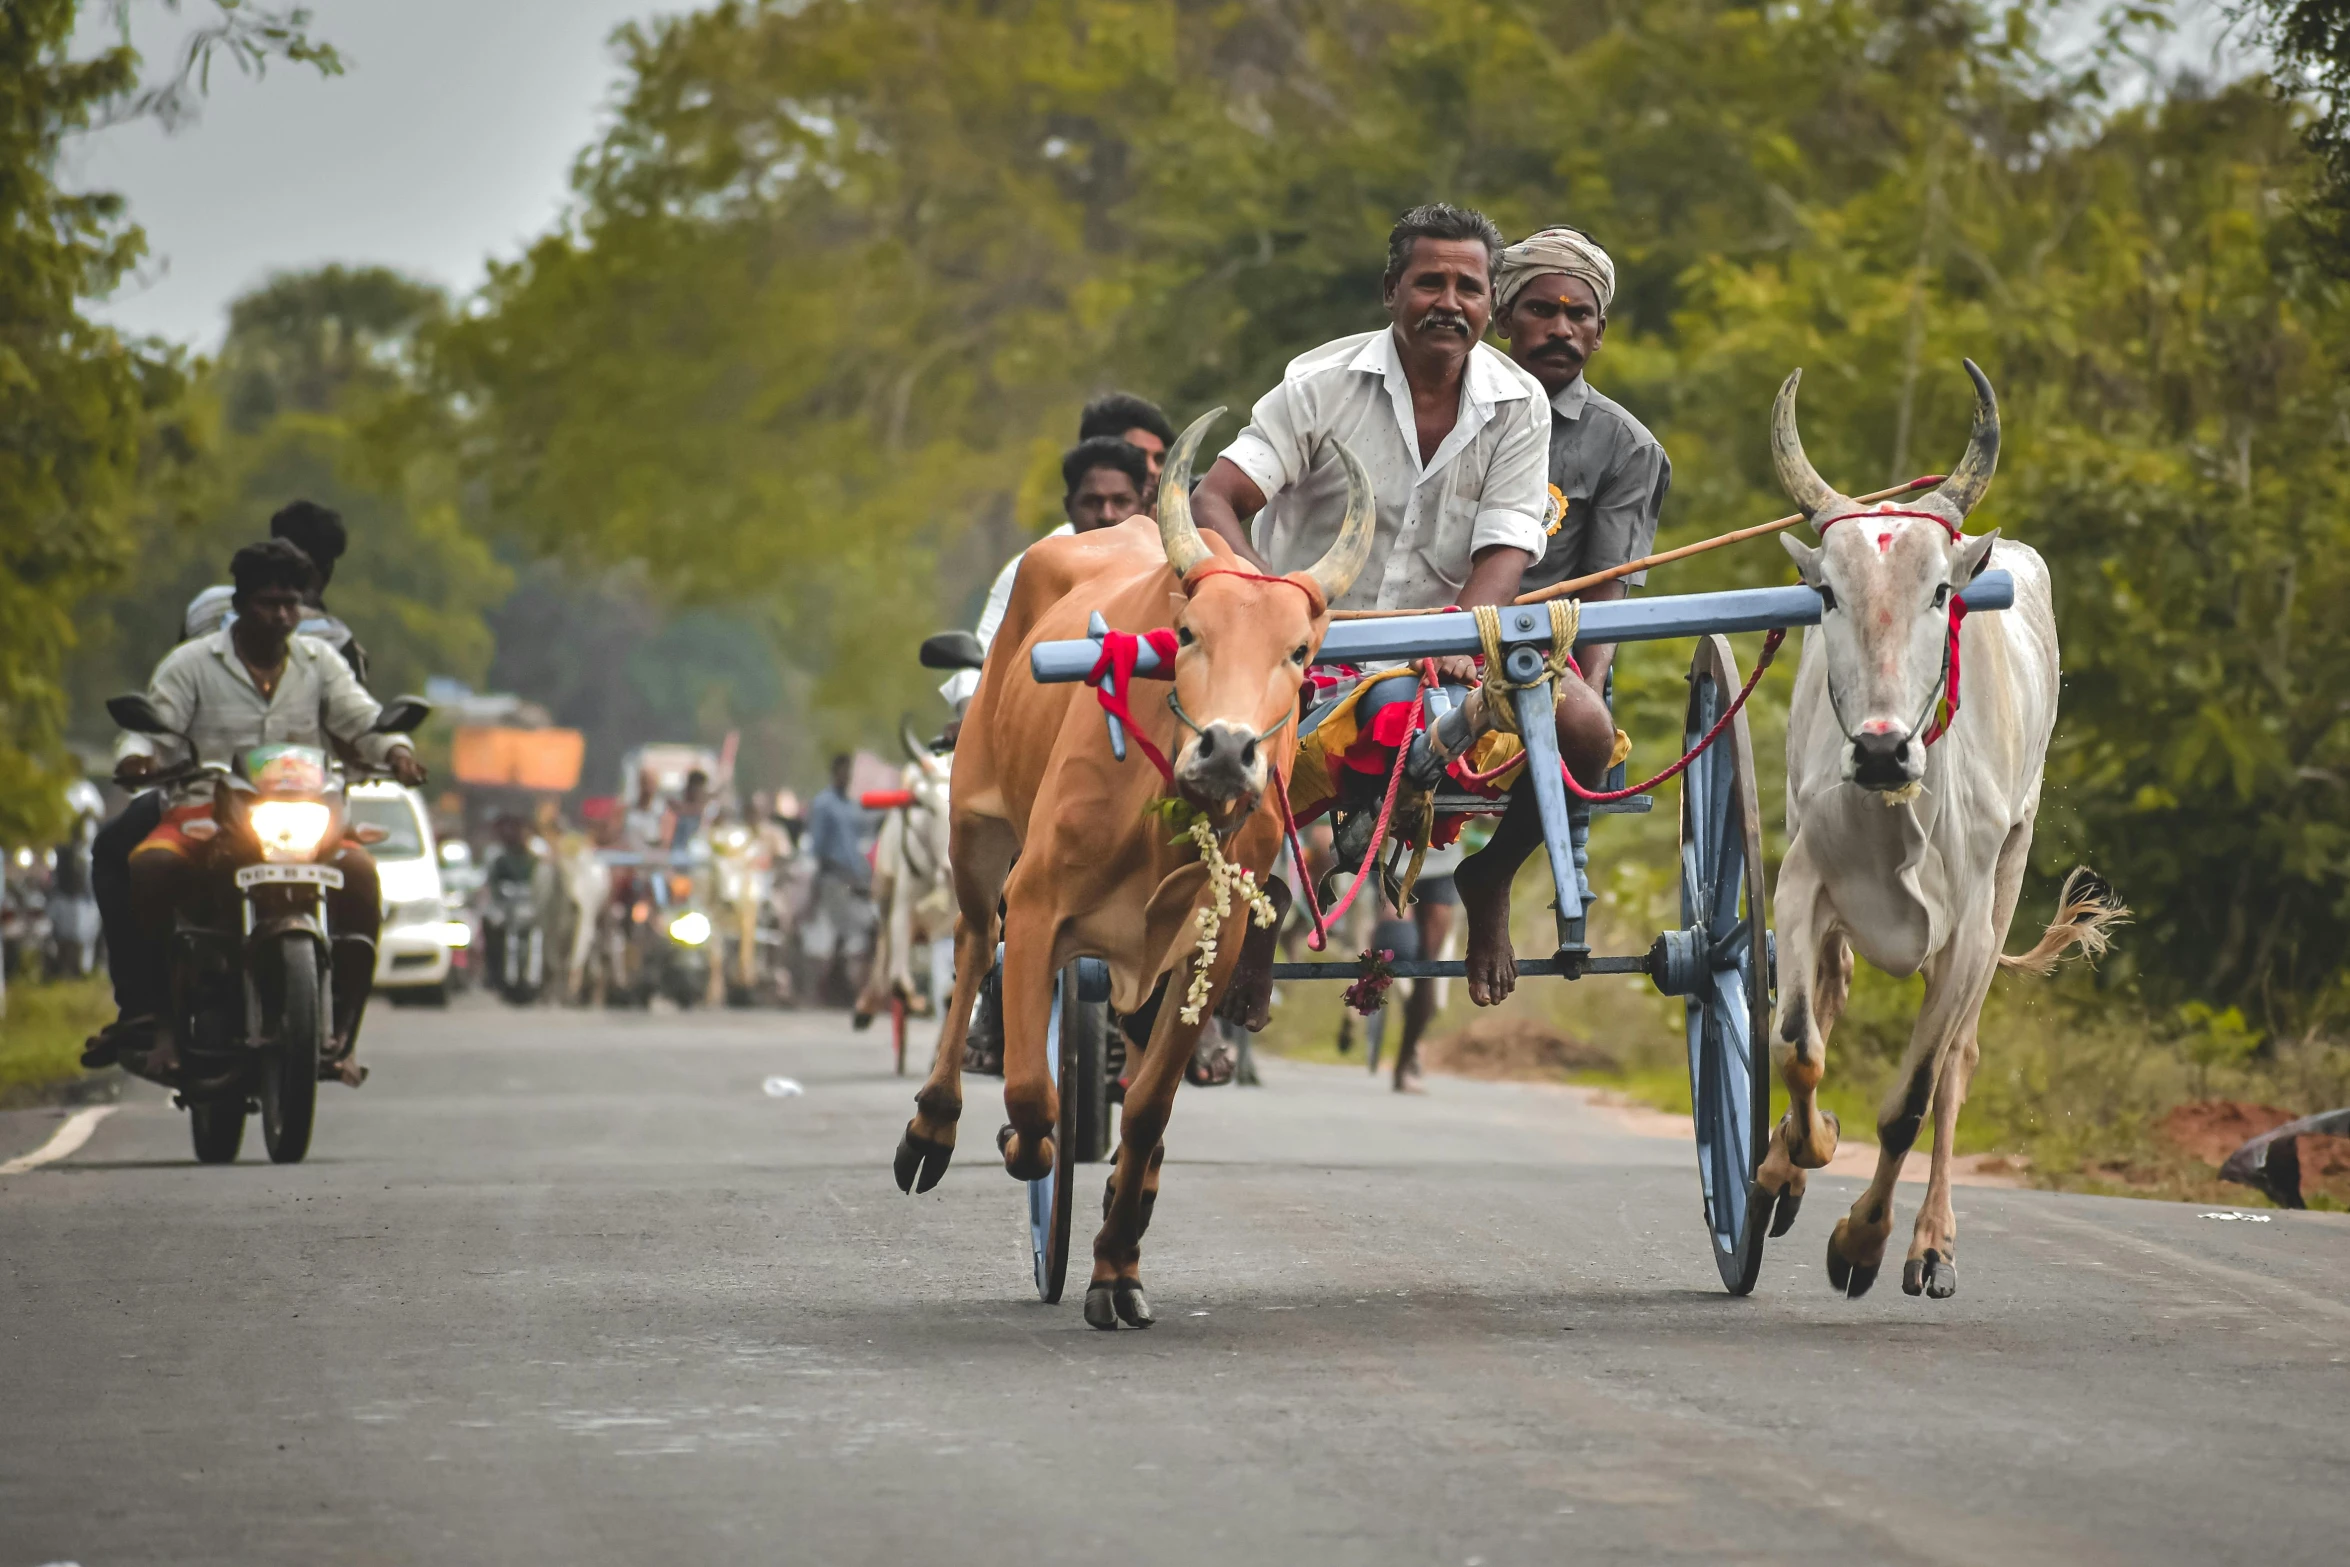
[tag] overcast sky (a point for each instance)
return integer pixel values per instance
(449, 139)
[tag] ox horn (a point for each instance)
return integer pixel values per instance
(1967, 482)
(1336, 571)
(1178, 534)
(1802, 482)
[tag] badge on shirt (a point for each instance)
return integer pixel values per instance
(1554, 515)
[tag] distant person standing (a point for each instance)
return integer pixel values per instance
(837, 830)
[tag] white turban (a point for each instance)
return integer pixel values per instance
(1554, 250)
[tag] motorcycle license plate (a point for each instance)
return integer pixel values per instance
(326, 876)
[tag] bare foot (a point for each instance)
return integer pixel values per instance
(1492, 964)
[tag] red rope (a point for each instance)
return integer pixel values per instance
(1320, 937)
(1120, 651)
(1770, 650)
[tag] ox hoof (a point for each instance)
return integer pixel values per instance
(1845, 1277)
(1024, 1162)
(1774, 1210)
(920, 1161)
(1932, 1275)
(1134, 1307)
(1101, 1311)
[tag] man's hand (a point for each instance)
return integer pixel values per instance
(1457, 670)
(407, 769)
(131, 769)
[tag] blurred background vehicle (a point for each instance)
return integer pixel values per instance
(412, 955)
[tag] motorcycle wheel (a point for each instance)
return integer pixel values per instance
(289, 1082)
(218, 1130)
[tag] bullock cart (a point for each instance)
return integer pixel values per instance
(1719, 961)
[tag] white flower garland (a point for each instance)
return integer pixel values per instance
(1224, 879)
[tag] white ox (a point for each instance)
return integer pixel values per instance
(1909, 853)
(913, 887)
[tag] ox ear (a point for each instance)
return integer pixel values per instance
(1805, 556)
(1972, 554)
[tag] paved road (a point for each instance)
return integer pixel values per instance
(565, 1289)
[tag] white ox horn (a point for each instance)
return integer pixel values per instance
(1178, 534)
(1960, 493)
(1334, 573)
(1802, 482)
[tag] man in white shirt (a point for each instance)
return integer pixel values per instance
(1455, 437)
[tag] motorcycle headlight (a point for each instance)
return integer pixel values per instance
(692, 928)
(289, 829)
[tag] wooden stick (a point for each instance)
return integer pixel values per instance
(1574, 585)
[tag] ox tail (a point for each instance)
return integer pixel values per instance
(2086, 913)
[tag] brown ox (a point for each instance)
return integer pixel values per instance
(1045, 819)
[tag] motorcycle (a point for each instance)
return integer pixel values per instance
(517, 942)
(657, 935)
(253, 959)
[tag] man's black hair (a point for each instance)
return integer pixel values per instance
(1440, 220)
(843, 759)
(1104, 451)
(1115, 413)
(273, 563)
(317, 531)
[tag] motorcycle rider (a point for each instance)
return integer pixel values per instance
(513, 867)
(318, 532)
(254, 683)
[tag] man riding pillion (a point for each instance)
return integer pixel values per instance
(1455, 437)
(255, 683)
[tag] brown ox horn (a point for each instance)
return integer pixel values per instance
(1178, 534)
(1802, 482)
(1964, 488)
(1336, 571)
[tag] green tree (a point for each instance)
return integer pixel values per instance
(83, 415)
(307, 400)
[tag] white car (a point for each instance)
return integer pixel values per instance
(412, 954)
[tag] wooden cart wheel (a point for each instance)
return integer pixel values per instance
(1050, 1199)
(1725, 945)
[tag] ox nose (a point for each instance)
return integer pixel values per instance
(1880, 758)
(1225, 762)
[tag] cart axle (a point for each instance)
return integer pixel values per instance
(1454, 968)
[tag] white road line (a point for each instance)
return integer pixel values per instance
(67, 1138)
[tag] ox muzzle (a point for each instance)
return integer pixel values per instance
(1223, 766)
(1884, 756)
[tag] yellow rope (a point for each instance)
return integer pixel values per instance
(1566, 622)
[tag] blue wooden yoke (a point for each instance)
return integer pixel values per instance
(1525, 628)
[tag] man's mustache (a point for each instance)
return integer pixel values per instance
(1444, 321)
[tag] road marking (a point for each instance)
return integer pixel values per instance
(65, 1140)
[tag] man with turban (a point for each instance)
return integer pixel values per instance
(1608, 478)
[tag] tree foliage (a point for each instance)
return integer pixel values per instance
(91, 427)
(306, 400)
(840, 271)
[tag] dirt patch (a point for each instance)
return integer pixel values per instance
(2212, 1129)
(1514, 1049)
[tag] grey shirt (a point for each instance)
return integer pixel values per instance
(1613, 474)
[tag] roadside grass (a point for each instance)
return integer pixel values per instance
(2073, 1085)
(41, 1036)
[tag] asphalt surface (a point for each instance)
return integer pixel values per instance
(572, 1288)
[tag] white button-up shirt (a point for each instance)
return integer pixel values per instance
(1487, 484)
(203, 689)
